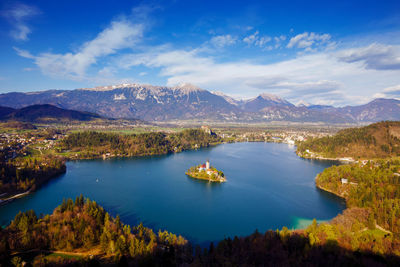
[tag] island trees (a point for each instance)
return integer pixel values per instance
(202, 172)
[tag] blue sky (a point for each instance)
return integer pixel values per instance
(321, 52)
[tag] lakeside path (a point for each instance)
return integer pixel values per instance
(4, 201)
(313, 155)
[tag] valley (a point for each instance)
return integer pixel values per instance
(200, 133)
(118, 145)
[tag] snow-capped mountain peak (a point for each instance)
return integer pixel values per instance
(302, 103)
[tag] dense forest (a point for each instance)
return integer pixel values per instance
(378, 140)
(23, 174)
(370, 187)
(91, 144)
(374, 185)
(315, 246)
(82, 225)
(91, 236)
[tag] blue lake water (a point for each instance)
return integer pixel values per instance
(268, 186)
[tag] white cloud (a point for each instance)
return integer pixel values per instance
(392, 89)
(375, 56)
(278, 41)
(308, 40)
(294, 89)
(251, 38)
(262, 41)
(326, 77)
(18, 15)
(320, 77)
(389, 92)
(223, 40)
(257, 40)
(24, 53)
(106, 75)
(118, 35)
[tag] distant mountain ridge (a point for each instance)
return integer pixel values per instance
(263, 101)
(189, 102)
(45, 113)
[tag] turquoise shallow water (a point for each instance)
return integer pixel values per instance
(302, 223)
(268, 187)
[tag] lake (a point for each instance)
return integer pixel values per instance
(268, 186)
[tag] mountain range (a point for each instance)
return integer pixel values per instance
(188, 102)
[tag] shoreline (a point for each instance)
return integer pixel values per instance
(220, 179)
(29, 191)
(10, 199)
(330, 191)
(318, 157)
(33, 188)
(113, 156)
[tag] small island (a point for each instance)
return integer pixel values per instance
(206, 172)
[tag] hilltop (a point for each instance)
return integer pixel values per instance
(378, 140)
(45, 113)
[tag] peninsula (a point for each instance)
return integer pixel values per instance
(206, 172)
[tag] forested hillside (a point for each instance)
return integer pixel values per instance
(95, 144)
(85, 227)
(374, 186)
(378, 140)
(82, 233)
(23, 174)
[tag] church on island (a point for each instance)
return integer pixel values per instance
(206, 167)
(206, 172)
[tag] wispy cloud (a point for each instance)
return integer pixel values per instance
(389, 92)
(223, 40)
(375, 56)
(338, 76)
(293, 89)
(278, 40)
(118, 35)
(256, 39)
(18, 16)
(308, 40)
